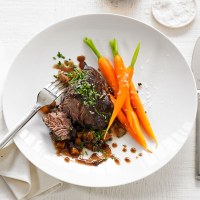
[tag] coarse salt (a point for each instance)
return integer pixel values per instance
(174, 13)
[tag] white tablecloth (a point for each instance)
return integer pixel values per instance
(21, 20)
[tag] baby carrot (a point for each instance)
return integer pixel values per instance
(123, 82)
(119, 68)
(131, 115)
(104, 66)
(139, 109)
(137, 104)
(137, 136)
(127, 108)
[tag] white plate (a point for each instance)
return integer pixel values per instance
(168, 92)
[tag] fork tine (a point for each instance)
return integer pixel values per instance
(57, 88)
(60, 88)
(61, 91)
(52, 83)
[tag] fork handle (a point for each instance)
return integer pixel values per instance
(198, 140)
(10, 135)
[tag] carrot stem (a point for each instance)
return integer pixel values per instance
(135, 55)
(90, 43)
(114, 47)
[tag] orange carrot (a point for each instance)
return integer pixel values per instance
(119, 68)
(108, 73)
(104, 66)
(121, 71)
(121, 97)
(123, 78)
(137, 136)
(137, 104)
(139, 109)
(127, 108)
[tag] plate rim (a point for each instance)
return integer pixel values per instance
(159, 166)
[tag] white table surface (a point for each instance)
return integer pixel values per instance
(20, 20)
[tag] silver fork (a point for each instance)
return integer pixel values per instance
(45, 97)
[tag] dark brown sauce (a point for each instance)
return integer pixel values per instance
(81, 60)
(67, 159)
(133, 150)
(64, 153)
(140, 154)
(117, 161)
(128, 160)
(114, 145)
(58, 152)
(93, 160)
(124, 149)
(124, 146)
(95, 156)
(107, 151)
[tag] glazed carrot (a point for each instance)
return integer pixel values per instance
(139, 109)
(137, 136)
(128, 110)
(104, 66)
(137, 104)
(123, 78)
(119, 67)
(121, 71)
(121, 97)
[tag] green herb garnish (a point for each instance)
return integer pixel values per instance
(98, 135)
(84, 88)
(59, 63)
(59, 55)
